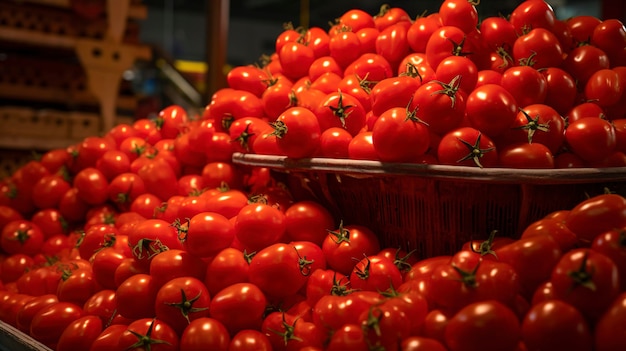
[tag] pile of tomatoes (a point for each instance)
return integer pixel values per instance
(527, 91)
(149, 237)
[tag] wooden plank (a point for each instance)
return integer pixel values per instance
(136, 11)
(14, 340)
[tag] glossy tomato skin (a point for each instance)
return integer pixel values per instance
(590, 138)
(491, 109)
(609, 333)
(480, 320)
(605, 211)
(49, 323)
(180, 301)
(298, 132)
(239, 307)
(554, 324)
(587, 280)
(205, 334)
(148, 331)
(80, 334)
(612, 244)
(467, 146)
(399, 136)
(526, 155)
(250, 340)
(277, 272)
(346, 242)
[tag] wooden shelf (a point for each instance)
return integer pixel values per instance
(103, 47)
(135, 11)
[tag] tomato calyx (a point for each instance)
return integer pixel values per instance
(146, 341)
(533, 125)
(248, 256)
(227, 121)
(340, 289)
(467, 278)
(148, 248)
(341, 110)
(21, 236)
(485, 247)
(181, 228)
(365, 84)
(384, 8)
(290, 331)
(457, 48)
(280, 129)
(363, 273)
(528, 61)
(507, 59)
(304, 264)
(412, 71)
(244, 137)
(475, 152)
(449, 89)
(402, 262)
(340, 235)
(186, 305)
(582, 277)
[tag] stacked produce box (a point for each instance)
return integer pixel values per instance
(172, 234)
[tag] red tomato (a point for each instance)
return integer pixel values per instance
(488, 319)
(148, 333)
(250, 340)
(108, 338)
(491, 109)
(461, 14)
(77, 285)
(92, 186)
(250, 78)
(341, 110)
(375, 273)
(348, 337)
(48, 323)
(419, 32)
(21, 237)
(604, 87)
(388, 16)
(333, 312)
(334, 143)
(370, 67)
(239, 306)
(136, 296)
(419, 343)
(445, 41)
(526, 155)
(80, 334)
(591, 138)
(298, 132)
(533, 259)
(539, 48)
(205, 334)
(467, 147)
(346, 243)
(581, 62)
(344, 47)
(532, 14)
(608, 333)
(27, 311)
(151, 237)
(612, 244)
(586, 279)
(399, 135)
(392, 44)
(277, 271)
(440, 105)
(554, 228)
(554, 324)
(597, 215)
(180, 301)
(207, 233)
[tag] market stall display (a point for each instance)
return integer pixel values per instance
(267, 222)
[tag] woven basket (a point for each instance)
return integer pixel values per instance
(434, 209)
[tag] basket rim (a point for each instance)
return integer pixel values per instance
(367, 168)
